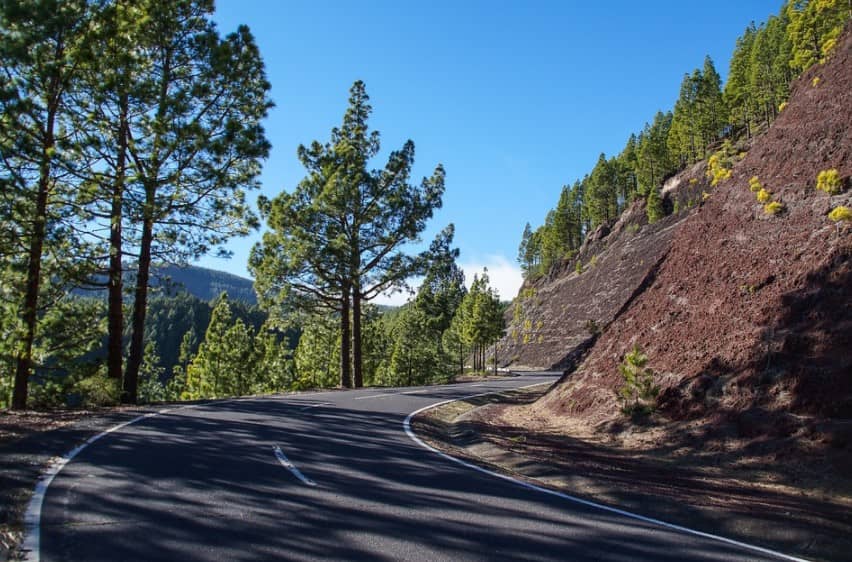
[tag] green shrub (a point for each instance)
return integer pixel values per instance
(50, 391)
(763, 195)
(754, 184)
(654, 205)
(578, 267)
(829, 181)
(98, 390)
(827, 47)
(773, 208)
(840, 213)
(717, 167)
(638, 395)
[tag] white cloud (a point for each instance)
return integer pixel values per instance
(503, 275)
(398, 298)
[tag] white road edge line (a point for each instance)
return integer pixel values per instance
(30, 549)
(285, 462)
(406, 424)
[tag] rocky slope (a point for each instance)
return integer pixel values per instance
(558, 316)
(746, 318)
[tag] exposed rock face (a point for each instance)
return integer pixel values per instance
(558, 316)
(749, 315)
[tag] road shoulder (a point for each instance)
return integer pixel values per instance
(712, 500)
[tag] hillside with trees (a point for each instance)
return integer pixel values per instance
(707, 119)
(717, 327)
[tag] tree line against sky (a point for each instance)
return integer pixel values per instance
(764, 62)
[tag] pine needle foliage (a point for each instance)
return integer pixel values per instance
(638, 395)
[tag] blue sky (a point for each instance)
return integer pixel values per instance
(515, 99)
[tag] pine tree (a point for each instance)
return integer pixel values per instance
(415, 358)
(682, 140)
(655, 161)
(227, 360)
(654, 205)
(274, 370)
(41, 54)
(418, 355)
(478, 321)
(176, 387)
(737, 91)
(524, 258)
(317, 356)
(769, 55)
(151, 388)
(712, 114)
(601, 193)
(338, 240)
(813, 29)
(109, 87)
(453, 339)
(197, 144)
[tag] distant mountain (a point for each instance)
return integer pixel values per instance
(205, 284)
(200, 282)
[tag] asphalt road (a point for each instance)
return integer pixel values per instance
(206, 483)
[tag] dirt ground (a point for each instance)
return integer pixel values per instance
(29, 440)
(714, 488)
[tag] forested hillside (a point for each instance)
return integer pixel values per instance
(735, 335)
(706, 122)
(205, 284)
(750, 308)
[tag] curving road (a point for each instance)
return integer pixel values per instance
(322, 476)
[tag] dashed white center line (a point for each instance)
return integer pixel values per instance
(309, 406)
(386, 394)
(376, 395)
(285, 462)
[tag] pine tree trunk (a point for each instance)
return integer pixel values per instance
(140, 305)
(30, 316)
(495, 358)
(357, 360)
(115, 314)
(345, 335)
(30, 309)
